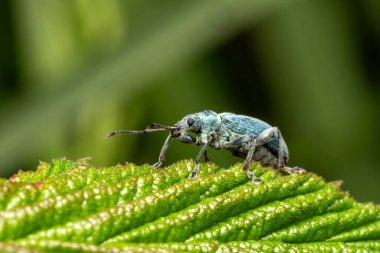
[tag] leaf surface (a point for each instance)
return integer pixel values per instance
(71, 206)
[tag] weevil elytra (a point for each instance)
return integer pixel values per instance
(244, 136)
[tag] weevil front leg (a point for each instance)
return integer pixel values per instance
(195, 171)
(164, 148)
(201, 153)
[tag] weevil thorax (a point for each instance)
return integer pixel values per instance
(210, 121)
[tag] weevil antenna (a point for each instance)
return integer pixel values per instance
(159, 126)
(153, 128)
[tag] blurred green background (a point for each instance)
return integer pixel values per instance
(73, 70)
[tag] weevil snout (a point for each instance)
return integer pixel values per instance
(182, 136)
(175, 133)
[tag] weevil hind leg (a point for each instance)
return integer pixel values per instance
(291, 170)
(270, 134)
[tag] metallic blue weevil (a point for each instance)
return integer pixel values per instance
(244, 136)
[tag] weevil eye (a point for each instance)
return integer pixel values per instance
(190, 122)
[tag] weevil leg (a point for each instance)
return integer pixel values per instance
(269, 135)
(201, 153)
(291, 170)
(164, 148)
(280, 158)
(194, 173)
(251, 149)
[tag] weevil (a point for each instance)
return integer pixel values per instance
(243, 136)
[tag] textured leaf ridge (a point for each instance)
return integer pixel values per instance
(72, 206)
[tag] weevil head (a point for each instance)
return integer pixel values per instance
(190, 123)
(194, 124)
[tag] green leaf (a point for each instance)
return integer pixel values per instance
(71, 206)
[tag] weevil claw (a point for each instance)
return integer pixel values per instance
(300, 170)
(110, 134)
(194, 173)
(255, 179)
(294, 170)
(157, 165)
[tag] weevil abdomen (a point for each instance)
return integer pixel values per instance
(240, 129)
(261, 154)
